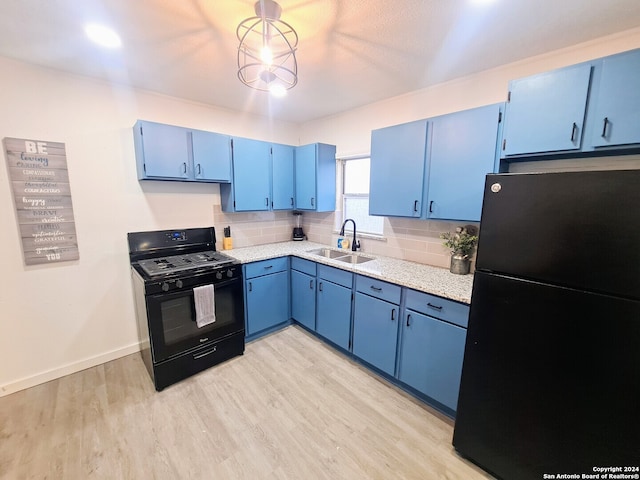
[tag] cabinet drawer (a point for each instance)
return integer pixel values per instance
(438, 307)
(379, 289)
(265, 267)
(335, 275)
(304, 266)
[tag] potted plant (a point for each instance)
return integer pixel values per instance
(461, 243)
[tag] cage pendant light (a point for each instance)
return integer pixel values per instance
(267, 50)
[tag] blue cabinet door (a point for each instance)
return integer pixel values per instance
(282, 157)
(334, 313)
(397, 170)
(431, 357)
(267, 301)
(303, 299)
(251, 174)
(375, 332)
(315, 177)
(616, 116)
(546, 112)
(211, 156)
(305, 170)
(162, 151)
(462, 151)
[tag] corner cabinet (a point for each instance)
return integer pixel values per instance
(398, 156)
(167, 152)
(266, 293)
(463, 149)
(315, 177)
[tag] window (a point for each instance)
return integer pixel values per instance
(355, 196)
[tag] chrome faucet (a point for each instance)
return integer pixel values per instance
(355, 245)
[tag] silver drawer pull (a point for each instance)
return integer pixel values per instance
(196, 357)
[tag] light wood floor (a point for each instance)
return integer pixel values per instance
(290, 408)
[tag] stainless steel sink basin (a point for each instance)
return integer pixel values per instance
(327, 253)
(354, 259)
(341, 256)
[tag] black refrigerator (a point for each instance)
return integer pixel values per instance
(551, 375)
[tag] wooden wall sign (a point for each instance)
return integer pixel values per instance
(42, 196)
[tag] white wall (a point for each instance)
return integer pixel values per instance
(56, 319)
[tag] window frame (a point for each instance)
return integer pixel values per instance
(344, 196)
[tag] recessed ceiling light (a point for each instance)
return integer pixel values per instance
(102, 35)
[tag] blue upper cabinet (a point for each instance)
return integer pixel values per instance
(251, 185)
(162, 151)
(615, 109)
(315, 177)
(546, 112)
(463, 149)
(282, 158)
(211, 156)
(167, 152)
(397, 170)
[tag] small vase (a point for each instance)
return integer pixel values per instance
(460, 264)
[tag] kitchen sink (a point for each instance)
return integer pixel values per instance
(341, 256)
(327, 253)
(354, 259)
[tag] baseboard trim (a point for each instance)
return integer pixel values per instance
(33, 380)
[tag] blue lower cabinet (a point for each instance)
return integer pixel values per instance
(431, 357)
(303, 299)
(267, 301)
(334, 313)
(375, 332)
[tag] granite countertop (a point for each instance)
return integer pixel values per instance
(425, 278)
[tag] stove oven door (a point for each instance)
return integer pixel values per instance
(172, 318)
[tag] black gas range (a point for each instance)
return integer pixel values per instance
(189, 302)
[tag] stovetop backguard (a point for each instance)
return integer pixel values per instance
(165, 243)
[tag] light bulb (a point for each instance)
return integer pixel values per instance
(103, 35)
(277, 90)
(266, 55)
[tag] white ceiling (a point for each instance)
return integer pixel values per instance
(351, 52)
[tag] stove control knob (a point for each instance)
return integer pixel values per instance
(229, 273)
(165, 287)
(179, 283)
(219, 275)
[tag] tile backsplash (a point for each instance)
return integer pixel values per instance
(404, 238)
(253, 228)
